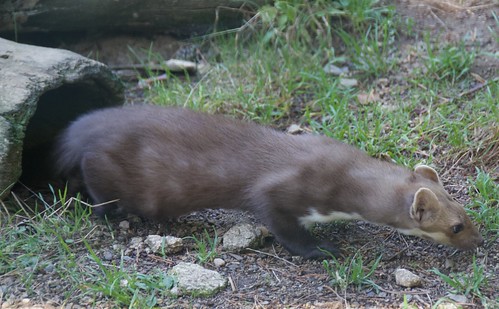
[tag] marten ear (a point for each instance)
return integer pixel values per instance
(424, 206)
(427, 172)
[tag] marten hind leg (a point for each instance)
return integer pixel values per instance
(96, 170)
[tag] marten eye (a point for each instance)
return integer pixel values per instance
(457, 228)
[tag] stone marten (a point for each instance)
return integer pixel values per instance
(162, 162)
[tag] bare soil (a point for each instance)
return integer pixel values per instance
(269, 277)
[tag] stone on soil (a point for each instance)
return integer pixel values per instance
(448, 306)
(136, 243)
(196, 280)
(348, 82)
(334, 70)
(124, 225)
(458, 298)
(405, 278)
(242, 236)
(218, 262)
(171, 244)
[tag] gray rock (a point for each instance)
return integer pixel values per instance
(405, 278)
(195, 280)
(171, 244)
(242, 236)
(348, 82)
(124, 225)
(218, 262)
(136, 243)
(107, 255)
(118, 247)
(50, 268)
(294, 129)
(334, 70)
(458, 298)
(449, 264)
(446, 305)
(41, 91)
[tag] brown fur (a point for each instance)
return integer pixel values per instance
(165, 162)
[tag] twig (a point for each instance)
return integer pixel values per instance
(343, 299)
(396, 255)
(438, 19)
(22, 207)
(272, 255)
(100, 204)
(275, 275)
(403, 292)
(5, 209)
(195, 86)
(232, 285)
(144, 67)
(447, 170)
(87, 235)
(445, 100)
(474, 89)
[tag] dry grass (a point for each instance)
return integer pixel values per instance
(485, 153)
(453, 6)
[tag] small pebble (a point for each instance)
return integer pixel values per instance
(449, 264)
(124, 225)
(445, 305)
(218, 262)
(108, 255)
(49, 268)
(348, 82)
(458, 298)
(174, 290)
(294, 129)
(405, 278)
(136, 242)
(334, 70)
(123, 283)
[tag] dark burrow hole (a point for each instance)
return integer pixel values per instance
(56, 109)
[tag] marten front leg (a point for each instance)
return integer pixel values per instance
(295, 238)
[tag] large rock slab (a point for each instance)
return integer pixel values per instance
(41, 91)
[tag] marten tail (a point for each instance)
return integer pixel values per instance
(66, 157)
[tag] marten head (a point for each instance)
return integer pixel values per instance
(437, 216)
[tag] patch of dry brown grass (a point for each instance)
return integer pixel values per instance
(486, 153)
(452, 6)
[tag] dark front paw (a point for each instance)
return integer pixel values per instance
(329, 249)
(320, 251)
(324, 250)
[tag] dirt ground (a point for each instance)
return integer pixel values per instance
(270, 277)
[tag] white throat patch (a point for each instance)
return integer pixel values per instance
(436, 236)
(316, 217)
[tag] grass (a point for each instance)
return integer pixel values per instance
(276, 78)
(469, 284)
(59, 240)
(35, 236)
(450, 62)
(372, 53)
(206, 247)
(351, 272)
(485, 200)
(127, 287)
